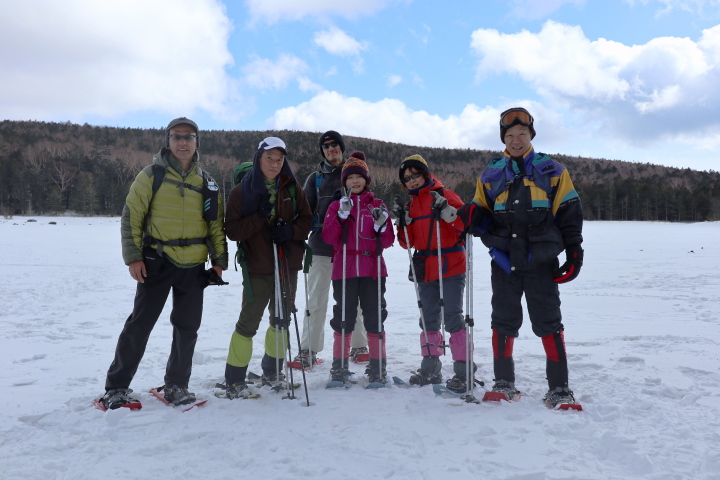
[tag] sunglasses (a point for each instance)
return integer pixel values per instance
(412, 177)
(514, 116)
(188, 138)
(325, 146)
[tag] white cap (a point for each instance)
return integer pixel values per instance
(272, 142)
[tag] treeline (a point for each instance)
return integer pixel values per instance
(56, 168)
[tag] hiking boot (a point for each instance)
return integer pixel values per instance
(178, 395)
(272, 378)
(114, 399)
(506, 388)
(556, 397)
(376, 372)
(377, 377)
(340, 375)
(430, 372)
(236, 390)
(304, 357)
(457, 384)
(421, 378)
(356, 352)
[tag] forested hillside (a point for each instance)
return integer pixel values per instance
(51, 168)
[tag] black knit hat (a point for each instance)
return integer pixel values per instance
(181, 121)
(331, 135)
(413, 161)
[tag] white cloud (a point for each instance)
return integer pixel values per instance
(618, 86)
(394, 80)
(265, 74)
(337, 42)
(273, 11)
(79, 58)
(392, 121)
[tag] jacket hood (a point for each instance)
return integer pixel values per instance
(253, 184)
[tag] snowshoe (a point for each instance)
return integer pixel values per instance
(561, 399)
(339, 377)
(236, 390)
(117, 398)
(360, 355)
(457, 384)
(270, 380)
(502, 390)
(303, 359)
(421, 378)
(175, 395)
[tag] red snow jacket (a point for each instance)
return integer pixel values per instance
(422, 233)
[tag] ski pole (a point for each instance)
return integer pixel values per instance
(284, 285)
(378, 248)
(278, 315)
(436, 216)
(286, 271)
(469, 322)
(309, 325)
(344, 274)
(403, 225)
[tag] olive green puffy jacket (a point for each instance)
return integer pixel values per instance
(175, 213)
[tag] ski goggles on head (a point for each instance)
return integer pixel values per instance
(515, 116)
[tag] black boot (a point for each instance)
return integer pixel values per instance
(271, 372)
(376, 372)
(430, 372)
(339, 371)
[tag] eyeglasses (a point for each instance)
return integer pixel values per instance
(188, 138)
(411, 177)
(514, 116)
(325, 146)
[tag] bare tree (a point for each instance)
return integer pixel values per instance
(62, 175)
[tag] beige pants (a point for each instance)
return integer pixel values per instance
(318, 288)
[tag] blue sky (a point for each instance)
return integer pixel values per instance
(632, 80)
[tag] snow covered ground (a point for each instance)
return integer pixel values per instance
(643, 337)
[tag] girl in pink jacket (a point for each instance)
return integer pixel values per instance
(357, 223)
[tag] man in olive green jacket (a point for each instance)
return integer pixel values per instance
(171, 222)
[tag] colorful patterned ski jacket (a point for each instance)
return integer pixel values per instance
(533, 216)
(361, 248)
(422, 232)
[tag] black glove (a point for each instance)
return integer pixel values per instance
(282, 233)
(213, 278)
(401, 213)
(474, 218)
(266, 207)
(571, 268)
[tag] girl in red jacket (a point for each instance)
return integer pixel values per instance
(357, 223)
(429, 196)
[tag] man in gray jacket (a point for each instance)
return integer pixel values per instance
(319, 189)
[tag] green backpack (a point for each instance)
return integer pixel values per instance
(239, 173)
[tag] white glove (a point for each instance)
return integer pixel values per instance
(380, 215)
(447, 212)
(346, 204)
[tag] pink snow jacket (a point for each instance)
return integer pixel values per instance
(361, 258)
